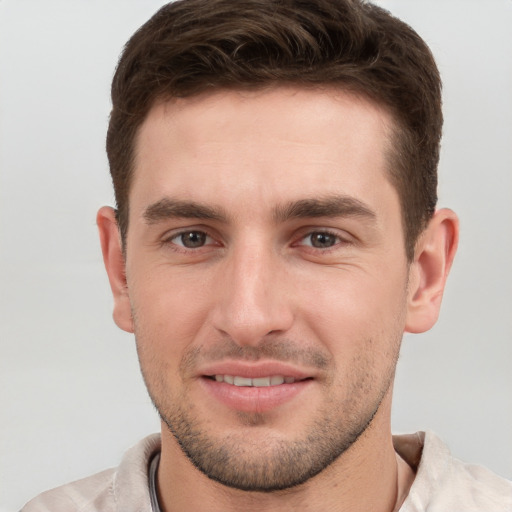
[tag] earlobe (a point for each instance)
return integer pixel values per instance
(115, 265)
(434, 254)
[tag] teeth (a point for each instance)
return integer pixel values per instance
(242, 381)
(260, 382)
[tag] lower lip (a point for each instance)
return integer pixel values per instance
(254, 399)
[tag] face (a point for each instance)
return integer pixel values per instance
(266, 278)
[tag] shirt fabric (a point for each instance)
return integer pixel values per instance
(442, 483)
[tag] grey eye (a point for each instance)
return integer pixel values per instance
(321, 240)
(191, 239)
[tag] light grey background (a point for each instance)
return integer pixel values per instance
(71, 398)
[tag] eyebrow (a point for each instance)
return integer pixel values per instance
(331, 206)
(168, 208)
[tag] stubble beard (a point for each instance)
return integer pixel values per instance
(263, 466)
(272, 462)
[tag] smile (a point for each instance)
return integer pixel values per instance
(255, 386)
(259, 382)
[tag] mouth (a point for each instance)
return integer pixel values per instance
(257, 382)
(255, 388)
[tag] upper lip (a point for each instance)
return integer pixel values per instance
(254, 370)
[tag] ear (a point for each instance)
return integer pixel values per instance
(115, 265)
(433, 259)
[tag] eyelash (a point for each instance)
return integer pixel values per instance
(169, 241)
(339, 240)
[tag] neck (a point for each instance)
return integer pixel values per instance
(366, 477)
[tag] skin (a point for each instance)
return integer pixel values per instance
(295, 258)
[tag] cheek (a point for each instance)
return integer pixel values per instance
(168, 310)
(351, 307)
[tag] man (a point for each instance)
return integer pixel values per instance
(274, 164)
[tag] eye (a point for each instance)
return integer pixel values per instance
(191, 239)
(320, 240)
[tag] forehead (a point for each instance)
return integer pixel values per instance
(265, 146)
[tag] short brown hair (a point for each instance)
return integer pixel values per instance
(193, 46)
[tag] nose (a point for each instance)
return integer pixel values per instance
(253, 299)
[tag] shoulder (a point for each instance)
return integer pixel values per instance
(446, 483)
(124, 488)
(480, 487)
(80, 496)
